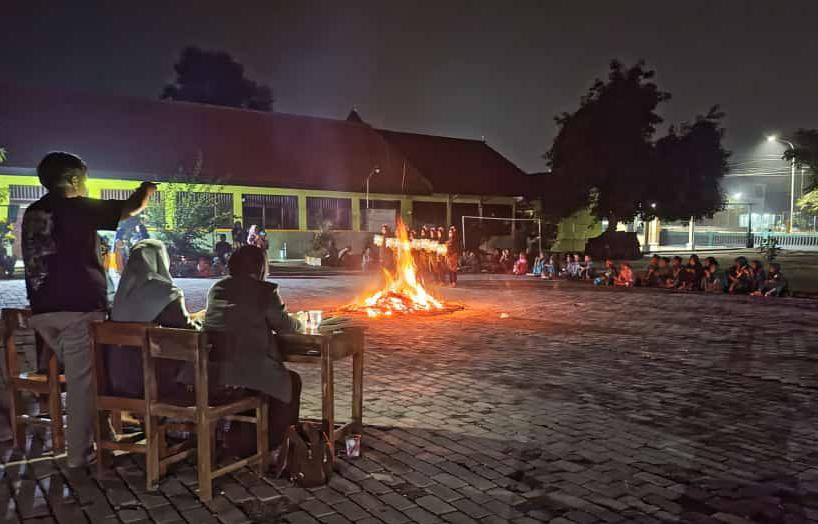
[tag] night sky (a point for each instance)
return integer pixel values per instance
(499, 70)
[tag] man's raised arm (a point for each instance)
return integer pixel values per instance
(138, 200)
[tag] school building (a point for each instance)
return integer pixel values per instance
(287, 173)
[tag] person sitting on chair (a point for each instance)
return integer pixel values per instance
(244, 313)
(146, 293)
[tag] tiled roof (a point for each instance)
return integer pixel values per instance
(132, 137)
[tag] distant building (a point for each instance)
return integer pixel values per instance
(288, 173)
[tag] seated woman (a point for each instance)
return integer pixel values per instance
(775, 285)
(739, 278)
(648, 278)
(713, 280)
(506, 262)
(550, 269)
(674, 271)
(608, 276)
(244, 313)
(758, 274)
(146, 293)
(625, 278)
(690, 276)
(471, 264)
(586, 268)
(521, 265)
(539, 265)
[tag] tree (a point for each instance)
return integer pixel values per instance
(196, 216)
(605, 158)
(806, 149)
(690, 165)
(215, 78)
(806, 155)
(603, 153)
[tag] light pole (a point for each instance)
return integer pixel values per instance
(374, 171)
(774, 138)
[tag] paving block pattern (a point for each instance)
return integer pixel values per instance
(540, 402)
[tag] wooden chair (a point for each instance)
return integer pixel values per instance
(191, 346)
(48, 384)
(158, 456)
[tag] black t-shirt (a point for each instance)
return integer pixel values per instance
(222, 248)
(61, 252)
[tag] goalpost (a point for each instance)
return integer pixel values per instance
(537, 220)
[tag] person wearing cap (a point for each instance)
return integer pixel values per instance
(65, 280)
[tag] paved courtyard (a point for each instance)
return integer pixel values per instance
(540, 402)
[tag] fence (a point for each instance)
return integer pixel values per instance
(669, 238)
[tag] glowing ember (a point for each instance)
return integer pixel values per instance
(402, 292)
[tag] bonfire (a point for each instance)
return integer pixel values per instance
(402, 291)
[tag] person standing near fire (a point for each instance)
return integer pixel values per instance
(441, 269)
(422, 260)
(65, 279)
(431, 261)
(385, 255)
(452, 255)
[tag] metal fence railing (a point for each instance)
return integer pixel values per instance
(738, 239)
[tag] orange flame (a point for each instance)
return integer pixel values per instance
(402, 292)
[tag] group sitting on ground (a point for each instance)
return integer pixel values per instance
(743, 277)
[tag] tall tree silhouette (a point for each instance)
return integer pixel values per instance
(690, 164)
(806, 155)
(603, 152)
(806, 149)
(214, 77)
(605, 157)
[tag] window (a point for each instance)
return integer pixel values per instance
(26, 193)
(377, 204)
(189, 207)
(336, 212)
(270, 211)
(154, 215)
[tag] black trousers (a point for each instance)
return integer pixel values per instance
(240, 439)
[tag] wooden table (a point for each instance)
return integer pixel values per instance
(325, 348)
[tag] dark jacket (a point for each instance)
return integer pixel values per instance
(244, 314)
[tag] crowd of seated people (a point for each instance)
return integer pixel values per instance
(743, 277)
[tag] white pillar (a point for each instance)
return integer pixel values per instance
(691, 235)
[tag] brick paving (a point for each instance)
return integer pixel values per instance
(539, 402)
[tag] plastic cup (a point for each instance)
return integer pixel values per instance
(314, 318)
(303, 319)
(353, 445)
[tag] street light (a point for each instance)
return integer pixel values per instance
(774, 138)
(375, 171)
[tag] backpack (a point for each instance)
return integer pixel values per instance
(306, 455)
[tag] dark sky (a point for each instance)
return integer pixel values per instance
(498, 69)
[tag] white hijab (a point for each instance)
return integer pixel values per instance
(146, 286)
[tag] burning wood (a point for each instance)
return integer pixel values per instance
(402, 291)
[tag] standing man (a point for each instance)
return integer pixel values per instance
(65, 280)
(222, 249)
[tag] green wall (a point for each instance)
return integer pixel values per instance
(95, 186)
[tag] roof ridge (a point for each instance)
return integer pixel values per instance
(176, 104)
(426, 135)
